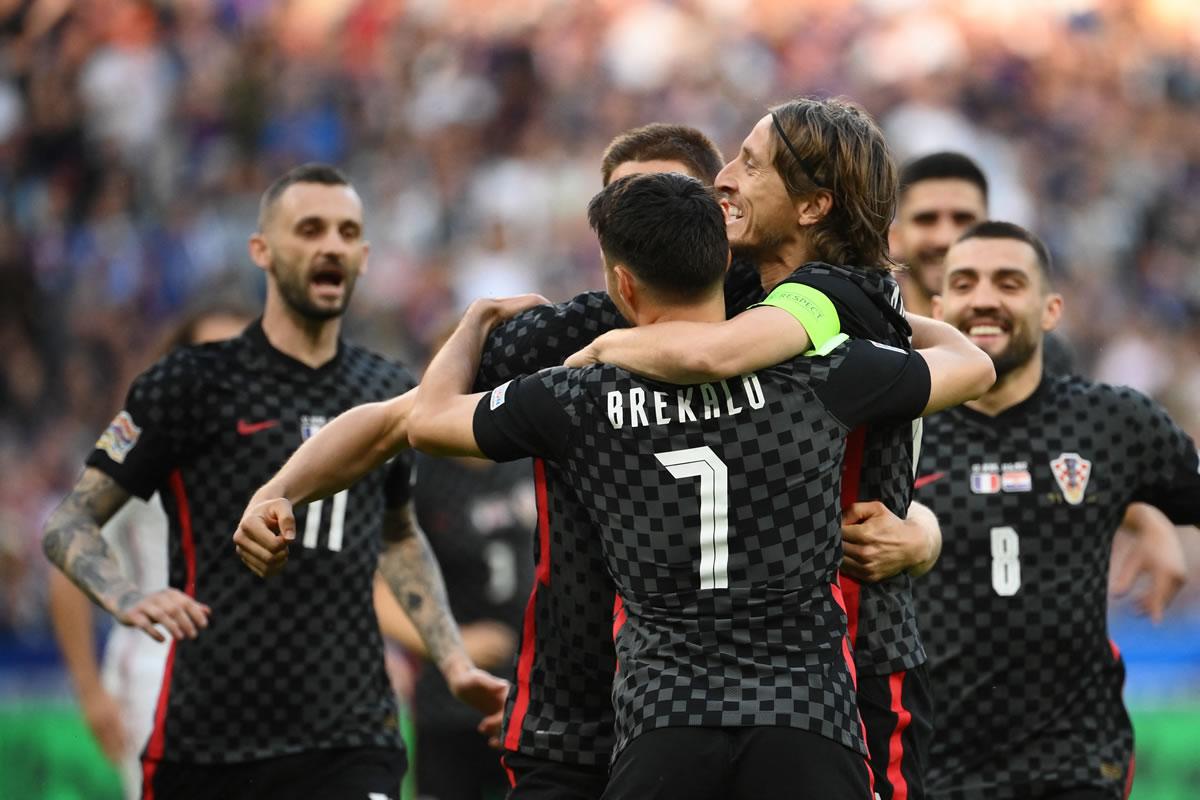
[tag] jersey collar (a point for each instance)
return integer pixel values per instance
(257, 337)
(1013, 414)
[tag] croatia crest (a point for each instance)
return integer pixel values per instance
(1072, 471)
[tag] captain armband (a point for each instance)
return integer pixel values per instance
(814, 311)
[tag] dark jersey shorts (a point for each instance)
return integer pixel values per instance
(535, 778)
(361, 773)
(737, 764)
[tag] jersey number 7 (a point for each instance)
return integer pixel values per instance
(703, 463)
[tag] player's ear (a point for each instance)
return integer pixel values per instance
(1052, 311)
(813, 208)
(260, 251)
(626, 287)
(362, 268)
(936, 307)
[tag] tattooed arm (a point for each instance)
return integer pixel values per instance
(72, 541)
(412, 573)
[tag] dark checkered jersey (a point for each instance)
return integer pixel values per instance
(1027, 685)
(718, 510)
(879, 466)
(559, 707)
(289, 664)
(477, 517)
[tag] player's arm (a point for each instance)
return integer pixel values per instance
(442, 417)
(71, 616)
(878, 544)
(411, 572)
(350, 446)
(343, 451)
(1157, 553)
(693, 352)
(958, 370)
(795, 318)
(72, 542)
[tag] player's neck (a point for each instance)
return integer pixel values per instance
(1012, 388)
(311, 342)
(916, 301)
(711, 309)
(778, 265)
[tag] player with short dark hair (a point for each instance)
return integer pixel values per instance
(941, 195)
(730, 637)
(656, 145)
(272, 689)
(1030, 482)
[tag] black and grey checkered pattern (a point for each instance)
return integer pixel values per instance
(1027, 688)
(559, 707)
(293, 663)
(887, 639)
(767, 649)
(477, 518)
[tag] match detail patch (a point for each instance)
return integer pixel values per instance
(120, 437)
(498, 396)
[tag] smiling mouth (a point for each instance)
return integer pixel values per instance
(732, 213)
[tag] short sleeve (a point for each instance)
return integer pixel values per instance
(398, 484)
(528, 416)
(1170, 465)
(875, 383)
(141, 445)
(544, 337)
(867, 306)
(812, 309)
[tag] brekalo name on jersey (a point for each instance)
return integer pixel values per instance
(636, 406)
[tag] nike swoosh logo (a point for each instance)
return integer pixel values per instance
(245, 428)
(925, 480)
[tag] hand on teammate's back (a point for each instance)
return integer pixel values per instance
(877, 544)
(263, 535)
(495, 310)
(182, 616)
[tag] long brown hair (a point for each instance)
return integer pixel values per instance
(833, 144)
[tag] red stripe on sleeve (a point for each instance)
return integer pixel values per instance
(512, 734)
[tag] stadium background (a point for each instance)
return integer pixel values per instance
(135, 138)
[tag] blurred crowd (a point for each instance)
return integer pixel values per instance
(136, 136)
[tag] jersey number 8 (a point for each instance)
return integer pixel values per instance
(1006, 562)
